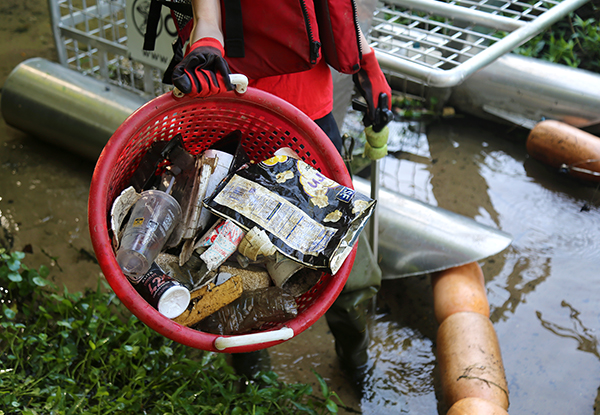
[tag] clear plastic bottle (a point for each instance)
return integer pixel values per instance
(250, 311)
(153, 218)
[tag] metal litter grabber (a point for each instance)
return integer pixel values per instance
(377, 134)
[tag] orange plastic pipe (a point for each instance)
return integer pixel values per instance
(556, 144)
(475, 406)
(469, 359)
(459, 289)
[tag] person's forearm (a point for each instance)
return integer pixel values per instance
(207, 20)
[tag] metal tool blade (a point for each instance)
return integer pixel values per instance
(417, 238)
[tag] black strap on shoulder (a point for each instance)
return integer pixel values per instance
(184, 8)
(152, 24)
(234, 29)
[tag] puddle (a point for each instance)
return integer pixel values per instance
(542, 289)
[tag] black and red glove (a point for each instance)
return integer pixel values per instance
(371, 83)
(203, 71)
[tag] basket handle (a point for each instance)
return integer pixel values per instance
(222, 343)
(239, 81)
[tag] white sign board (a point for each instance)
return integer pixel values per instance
(166, 33)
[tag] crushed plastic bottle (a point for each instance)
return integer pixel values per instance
(250, 311)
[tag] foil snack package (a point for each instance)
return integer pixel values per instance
(308, 217)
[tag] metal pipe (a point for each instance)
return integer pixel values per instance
(525, 91)
(65, 107)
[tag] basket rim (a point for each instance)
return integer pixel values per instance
(98, 219)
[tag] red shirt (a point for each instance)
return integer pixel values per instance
(310, 91)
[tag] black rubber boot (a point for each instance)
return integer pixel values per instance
(347, 320)
(251, 364)
(347, 317)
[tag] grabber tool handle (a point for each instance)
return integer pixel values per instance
(381, 117)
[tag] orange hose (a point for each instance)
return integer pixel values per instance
(469, 359)
(475, 406)
(459, 289)
(556, 144)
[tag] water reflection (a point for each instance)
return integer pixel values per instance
(443, 168)
(405, 170)
(405, 356)
(586, 341)
(482, 171)
(403, 337)
(457, 182)
(522, 274)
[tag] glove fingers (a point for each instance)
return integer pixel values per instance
(371, 83)
(208, 83)
(202, 72)
(183, 83)
(201, 84)
(223, 70)
(183, 77)
(177, 71)
(212, 83)
(178, 78)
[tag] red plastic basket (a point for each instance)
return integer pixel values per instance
(267, 123)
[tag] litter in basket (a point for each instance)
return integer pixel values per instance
(154, 150)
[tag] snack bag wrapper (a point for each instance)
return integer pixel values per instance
(308, 217)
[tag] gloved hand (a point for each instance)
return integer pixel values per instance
(203, 71)
(371, 83)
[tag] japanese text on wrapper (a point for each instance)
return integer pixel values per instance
(276, 215)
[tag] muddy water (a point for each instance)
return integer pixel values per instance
(543, 289)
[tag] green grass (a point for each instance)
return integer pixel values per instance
(84, 353)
